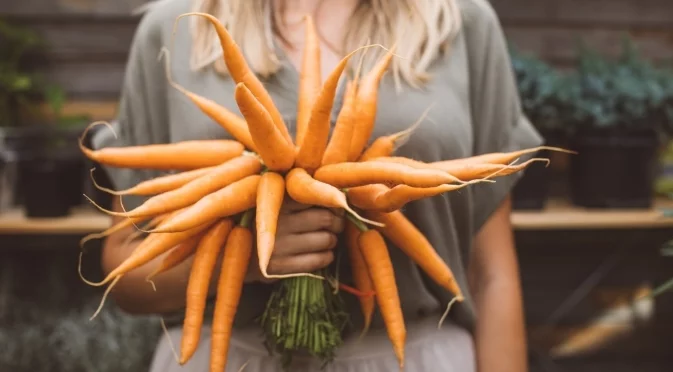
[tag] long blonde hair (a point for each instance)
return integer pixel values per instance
(421, 29)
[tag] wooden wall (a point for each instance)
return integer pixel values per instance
(89, 39)
(553, 28)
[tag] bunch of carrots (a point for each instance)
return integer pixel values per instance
(227, 196)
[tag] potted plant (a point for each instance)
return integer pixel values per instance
(621, 110)
(538, 84)
(50, 170)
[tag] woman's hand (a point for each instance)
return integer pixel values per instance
(305, 239)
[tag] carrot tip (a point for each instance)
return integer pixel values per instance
(458, 298)
(365, 220)
(285, 276)
(83, 148)
(102, 188)
(102, 302)
(170, 341)
(81, 276)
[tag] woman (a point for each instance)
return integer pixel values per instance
(454, 55)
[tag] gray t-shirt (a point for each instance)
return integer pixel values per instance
(476, 111)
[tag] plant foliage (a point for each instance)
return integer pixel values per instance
(624, 93)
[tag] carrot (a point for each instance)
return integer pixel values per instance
(159, 184)
(232, 171)
(150, 248)
(305, 189)
(315, 140)
(377, 258)
(367, 105)
(402, 160)
(203, 265)
(386, 145)
(176, 255)
(414, 244)
(183, 155)
(309, 78)
(270, 195)
(361, 278)
(505, 157)
(277, 154)
(237, 253)
(232, 123)
(228, 201)
(466, 171)
(344, 175)
(380, 198)
(470, 170)
(339, 144)
(241, 73)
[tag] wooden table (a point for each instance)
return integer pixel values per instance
(558, 215)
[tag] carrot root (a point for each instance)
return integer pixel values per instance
(105, 294)
(448, 308)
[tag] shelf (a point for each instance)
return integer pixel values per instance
(82, 220)
(557, 216)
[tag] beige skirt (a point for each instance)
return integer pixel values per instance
(449, 349)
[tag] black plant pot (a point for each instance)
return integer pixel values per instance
(532, 190)
(613, 169)
(51, 170)
(48, 186)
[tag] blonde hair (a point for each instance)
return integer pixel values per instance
(421, 29)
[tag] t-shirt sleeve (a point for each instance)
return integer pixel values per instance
(142, 112)
(498, 120)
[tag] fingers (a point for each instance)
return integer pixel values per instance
(304, 263)
(311, 242)
(313, 219)
(291, 206)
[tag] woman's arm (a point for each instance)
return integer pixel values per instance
(494, 282)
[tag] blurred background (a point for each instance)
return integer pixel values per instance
(592, 230)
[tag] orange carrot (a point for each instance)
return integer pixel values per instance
(180, 155)
(377, 258)
(380, 198)
(309, 78)
(367, 105)
(232, 123)
(401, 160)
(277, 154)
(228, 201)
(222, 176)
(159, 184)
(237, 253)
(386, 145)
(177, 255)
(414, 244)
(304, 189)
(470, 170)
(505, 157)
(241, 73)
(205, 259)
(339, 144)
(150, 248)
(344, 175)
(315, 140)
(467, 171)
(361, 278)
(270, 195)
